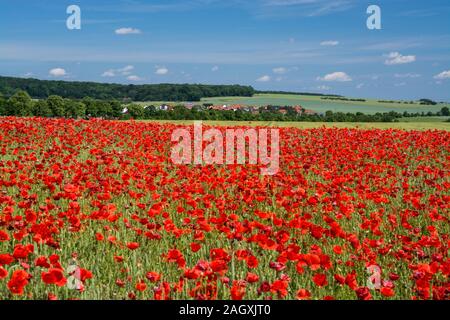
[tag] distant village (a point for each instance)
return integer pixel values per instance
(238, 107)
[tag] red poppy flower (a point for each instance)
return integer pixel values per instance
(320, 280)
(303, 294)
(153, 276)
(3, 273)
(54, 276)
(280, 287)
(85, 275)
(195, 247)
(42, 262)
(141, 286)
(175, 255)
(3, 236)
(387, 292)
(363, 293)
(252, 278)
(18, 281)
(337, 249)
(22, 252)
(252, 262)
(132, 245)
(238, 290)
(6, 259)
(118, 259)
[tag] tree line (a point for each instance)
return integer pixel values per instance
(136, 111)
(22, 105)
(41, 89)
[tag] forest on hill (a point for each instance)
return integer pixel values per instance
(41, 89)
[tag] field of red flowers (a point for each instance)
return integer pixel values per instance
(96, 210)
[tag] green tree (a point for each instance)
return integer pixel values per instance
(56, 104)
(91, 106)
(135, 111)
(74, 109)
(2, 105)
(104, 109)
(20, 104)
(41, 109)
(445, 111)
(116, 108)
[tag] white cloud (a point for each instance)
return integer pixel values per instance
(279, 79)
(407, 75)
(134, 78)
(336, 76)
(443, 75)
(329, 43)
(265, 78)
(28, 74)
(109, 74)
(394, 58)
(125, 71)
(215, 68)
(359, 86)
(125, 31)
(279, 70)
(401, 84)
(58, 72)
(161, 71)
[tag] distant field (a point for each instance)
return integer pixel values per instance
(320, 105)
(317, 104)
(308, 125)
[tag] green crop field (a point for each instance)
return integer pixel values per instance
(317, 104)
(309, 125)
(321, 105)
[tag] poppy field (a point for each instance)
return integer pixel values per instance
(97, 210)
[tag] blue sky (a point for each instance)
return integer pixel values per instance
(296, 45)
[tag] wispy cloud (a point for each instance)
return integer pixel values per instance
(279, 70)
(407, 75)
(424, 13)
(125, 31)
(265, 78)
(121, 71)
(161, 71)
(329, 43)
(335, 77)
(134, 78)
(395, 58)
(443, 75)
